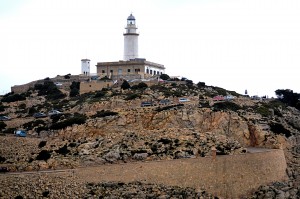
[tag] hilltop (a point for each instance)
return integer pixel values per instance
(136, 121)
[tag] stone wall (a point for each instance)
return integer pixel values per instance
(228, 176)
(231, 176)
(86, 87)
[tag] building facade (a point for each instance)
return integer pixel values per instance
(131, 67)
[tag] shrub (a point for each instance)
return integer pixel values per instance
(74, 92)
(132, 96)
(2, 108)
(164, 77)
(76, 119)
(9, 131)
(103, 113)
(201, 84)
(2, 125)
(42, 144)
(159, 109)
(11, 97)
(75, 86)
(22, 106)
(141, 85)
(226, 106)
(49, 90)
(277, 128)
(30, 125)
(43, 155)
(2, 159)
(100, 94)
(125, 85)
(63, 150)
(67, 76)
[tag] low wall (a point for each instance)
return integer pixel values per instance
(226, 176)
(91, 86)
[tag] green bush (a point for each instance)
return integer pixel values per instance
(164, 77)
(76, 119)
(43, 155)
(75, 86)
(277, 128)
(9, 131)
(11, 97)
(63, 150)
(2, 125)
(100, 94)
(125, 85)
(42, 144)
(226, 106)
(104, 113)
(141, 85)
(132, 96)
(159, 109)
(32, 124)
(49, 90)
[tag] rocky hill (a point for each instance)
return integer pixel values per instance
(110, 127)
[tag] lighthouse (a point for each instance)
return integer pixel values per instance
(130, 39)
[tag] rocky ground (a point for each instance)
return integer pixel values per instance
(130, 133)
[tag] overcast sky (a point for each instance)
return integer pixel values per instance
(233, 44)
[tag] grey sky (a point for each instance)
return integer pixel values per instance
(237, 45)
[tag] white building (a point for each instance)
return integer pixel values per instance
(131, 67)
(85, 67)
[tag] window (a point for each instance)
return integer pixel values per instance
(147, 71)
(137, 70)
(128, 70)
(150, 72)
(154, 72)
(120, 71)
(111, 71)
(103, 71)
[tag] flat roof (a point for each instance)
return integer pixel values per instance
(138, 61)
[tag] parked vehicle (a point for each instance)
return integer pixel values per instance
(164, 101)
(218, 98)
(4, 118)
(3, 169)
(39, 115)
(54, 112)
(229, 97)
(144, 104)
(58, 84)
(183, 100)
(20, 133)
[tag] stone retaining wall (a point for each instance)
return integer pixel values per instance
(230, 176)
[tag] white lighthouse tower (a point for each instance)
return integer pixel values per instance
(130, 39)
(85, 67)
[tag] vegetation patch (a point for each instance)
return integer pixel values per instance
(76, 119)
(11, 97)
(42, 144)
(279, 129)
(132, 96)
(49, 90)
(63, 150)
(159, 109)
(226, 106)
(44, 155)
(104, 113)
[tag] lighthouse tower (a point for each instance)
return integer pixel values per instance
(130, 39)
